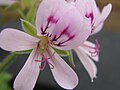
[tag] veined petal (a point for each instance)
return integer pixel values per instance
(87, 63)
(28, 75)
(88, 8)
(62, 72)
(15, 40)
(105, 12)
(7, 2)
(48, 14)
(71, 30)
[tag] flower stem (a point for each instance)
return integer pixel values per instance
(7, 61)
(70, 56)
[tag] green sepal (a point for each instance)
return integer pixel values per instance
(61, 52)
(71, 60)
(29, 28)
(23, 52)
(32, 13)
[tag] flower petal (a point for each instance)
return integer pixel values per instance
(62, 72)
(87, 63)
(15, 40)
(28, 75)
(48, 14)
(97, 29)
(71, 30)
(89, 47)
(105, 12)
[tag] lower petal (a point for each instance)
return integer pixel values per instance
(63, 73)
(87, 63)
(28, 75)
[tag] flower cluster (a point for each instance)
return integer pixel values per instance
(63, 25)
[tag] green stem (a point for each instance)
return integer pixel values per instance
(7, 61)
(71, 58)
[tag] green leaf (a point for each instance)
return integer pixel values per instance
(5, 78)
(71, 60)
(29, 28)
(23, 52)
(32, 13)
(61, 52)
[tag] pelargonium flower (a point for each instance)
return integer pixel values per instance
(91, 11)
(59, 25)
(7, 2)
(87, 52)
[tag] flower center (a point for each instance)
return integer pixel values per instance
(43, 44)
(42, 50)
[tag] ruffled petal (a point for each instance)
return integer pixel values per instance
(28, 75)
(48, 14)
(62, 72)
(71, 30)
(87, 63)
(15, 40)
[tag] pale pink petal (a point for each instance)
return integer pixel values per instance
(87, 48)
(71, 30)
(7, 2)
(81, 6)
(15, 40)
(28, 75)
(88, 8)
(87, 63)
(97, 29)
(62, 72)
(105, 12)
(48, 14)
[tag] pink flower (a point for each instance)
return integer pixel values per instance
(89, 51)
(59, 25)
(91, 11)
(7, 2)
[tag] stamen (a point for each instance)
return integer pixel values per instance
(96, 48)
(45, 61)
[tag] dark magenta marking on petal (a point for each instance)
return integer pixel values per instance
(90, 15)
(70, 38)
(65, 31)
(51, 19)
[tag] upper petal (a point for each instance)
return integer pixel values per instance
(87, 63)
(71, 30)
(100, 20)
(15, 40)
(62, 72)
(48, 14)
(28, 75)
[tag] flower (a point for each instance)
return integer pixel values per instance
(89, 51)
(7, 2)
(91, 11)
(59, 25)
